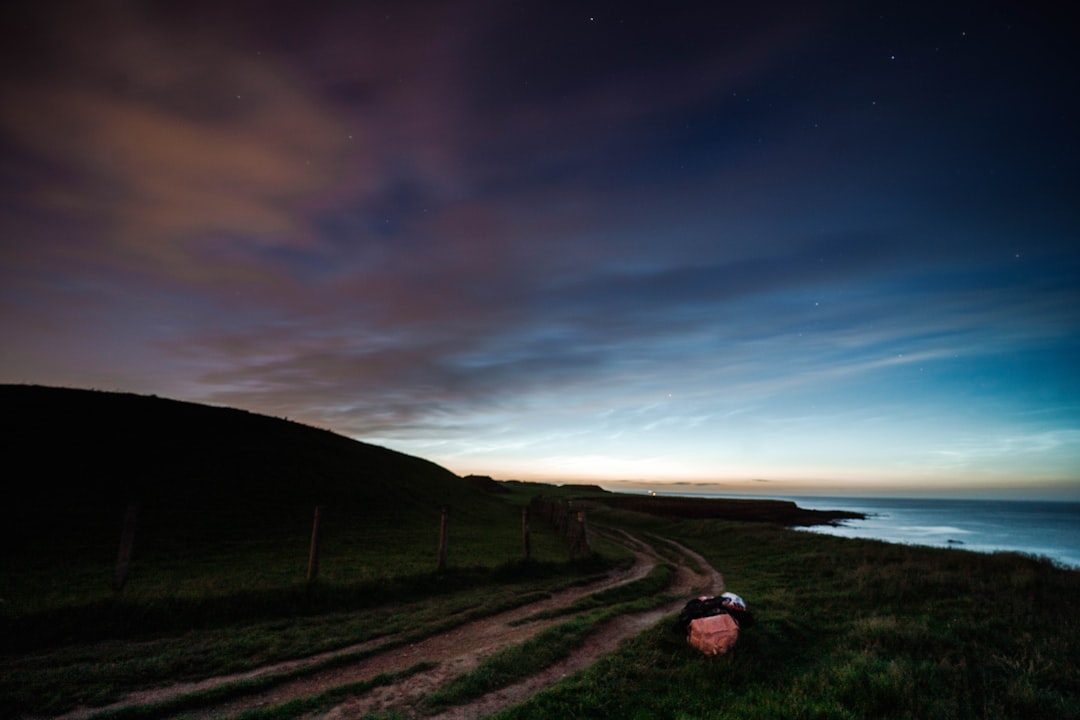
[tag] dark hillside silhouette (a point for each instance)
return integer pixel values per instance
(74, 459)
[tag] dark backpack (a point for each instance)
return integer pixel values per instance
(707, 607)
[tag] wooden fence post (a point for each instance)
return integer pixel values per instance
(583, 526)
(127, 544)
(526, 541)
(578, 536)
(313, 554)
(444, 536)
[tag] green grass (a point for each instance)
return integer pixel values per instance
(517, 662)
(651, 585)
(846, 629)
(53, 599)
(204, 610)
(51, 681)
(520, 661)
(851, 629)
(291, 709)
(329, 698)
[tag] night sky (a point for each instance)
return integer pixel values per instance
(782, 248)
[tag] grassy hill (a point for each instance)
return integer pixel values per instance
(225, 505)
(77, 457)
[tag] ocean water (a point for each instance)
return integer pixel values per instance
(1049, 529)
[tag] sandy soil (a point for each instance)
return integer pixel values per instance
(454, 652)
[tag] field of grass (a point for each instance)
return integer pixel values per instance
(845, 629)
(239, 611)
(851, 629)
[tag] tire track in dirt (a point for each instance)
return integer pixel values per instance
(400, 696)
(687, 582)
(479, 637)
(455, 652)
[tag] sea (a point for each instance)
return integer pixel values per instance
(1043, 528)
(1048, 529)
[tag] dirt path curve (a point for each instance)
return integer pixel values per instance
(693, 577)
(472, 636)
(454, 652)
(704, 580)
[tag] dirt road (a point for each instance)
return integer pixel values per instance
(452, 652)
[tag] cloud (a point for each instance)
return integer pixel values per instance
(1051, 451)
(182, 150)
(461, 327)
(166, 184)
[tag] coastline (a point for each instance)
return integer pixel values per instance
(1049, 529)
(1041, 528)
